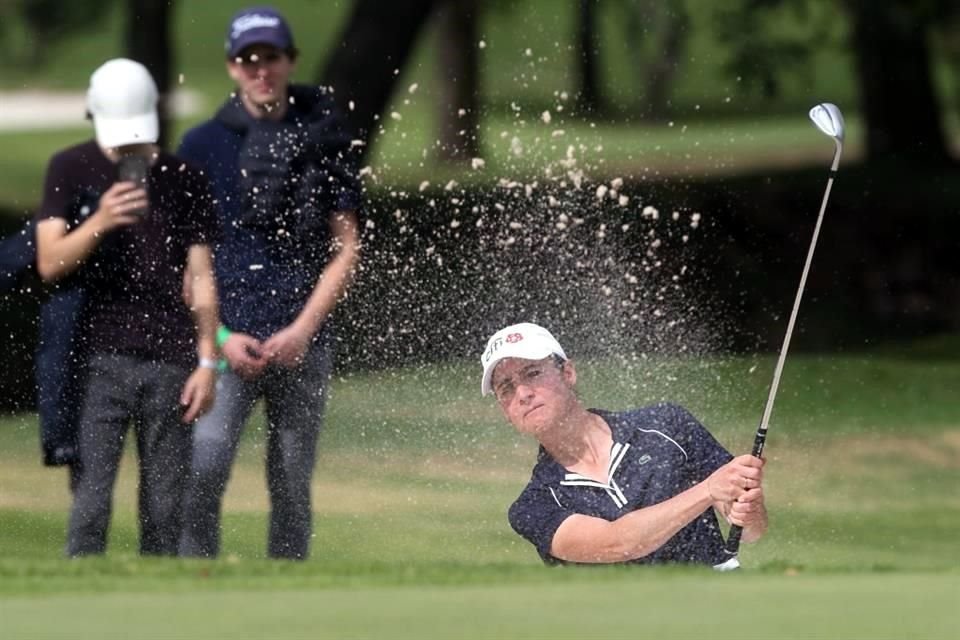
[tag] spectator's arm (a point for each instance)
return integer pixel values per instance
(288, 346)
(199, 391)
(203, 299)
(337, 275)
(59, 253)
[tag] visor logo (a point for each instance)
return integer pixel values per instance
(514, 337)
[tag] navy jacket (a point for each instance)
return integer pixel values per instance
(275, 185)
(18, 253)
(59, 361)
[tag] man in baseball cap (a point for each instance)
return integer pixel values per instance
(279, 158)
(639, 486)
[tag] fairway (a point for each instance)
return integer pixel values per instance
(411, 538)
(655, 604)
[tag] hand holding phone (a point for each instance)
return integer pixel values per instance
(134, 168)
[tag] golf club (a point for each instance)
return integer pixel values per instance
(829, 120)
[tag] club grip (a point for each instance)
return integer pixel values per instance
(732, 546)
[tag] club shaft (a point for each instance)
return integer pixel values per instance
(732, 546)
(778, 370)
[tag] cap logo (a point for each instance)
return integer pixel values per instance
(514, 337)
(492, 349)
(253, 21)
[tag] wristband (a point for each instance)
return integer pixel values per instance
(207, 363)
(223, 334)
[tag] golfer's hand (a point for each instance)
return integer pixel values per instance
(288, 346)
(733, 479)
(748, 509)
(749, 512)
(198, 394)
(245, 355)
(117, 204)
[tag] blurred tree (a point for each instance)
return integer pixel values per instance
(761, 57)
(147, 40)
(146, 34)
(46, 21)
(459, 73)
(373, 46)
(897, 95)
(948, 44)
(589, 95)
(890, 42)
(668, 22)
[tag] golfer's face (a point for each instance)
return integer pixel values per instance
(261, 73)
(533, 394)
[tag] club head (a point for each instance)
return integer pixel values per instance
(731, 564)
(828, 119)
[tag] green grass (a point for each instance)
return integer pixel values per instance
(412, 541)
(901, 606)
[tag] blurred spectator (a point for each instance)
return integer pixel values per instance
(59, 361)
(129, 221)
(278, 157)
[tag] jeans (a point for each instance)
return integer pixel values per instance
(295, 400)
(122, 388)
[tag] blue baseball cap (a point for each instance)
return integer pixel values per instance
(258, 25)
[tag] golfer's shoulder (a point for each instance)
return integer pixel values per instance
(661, 413)
(546, 472)
(663, 420)
(536, 495)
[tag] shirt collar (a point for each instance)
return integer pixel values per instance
(549, 471)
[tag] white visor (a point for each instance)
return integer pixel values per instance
(526, 340)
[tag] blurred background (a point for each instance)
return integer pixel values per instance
(639, 175)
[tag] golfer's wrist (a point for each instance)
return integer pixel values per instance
(709, 490)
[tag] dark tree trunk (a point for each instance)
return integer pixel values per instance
(375, 43)
(663, 68)
(458, 69)
(147, 40)
(589, 95)
(897, 97)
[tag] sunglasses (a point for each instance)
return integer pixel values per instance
(254, 59)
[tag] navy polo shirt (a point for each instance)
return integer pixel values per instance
(658, 452)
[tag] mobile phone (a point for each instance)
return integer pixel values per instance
(134, 168)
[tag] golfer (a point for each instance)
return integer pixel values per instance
(639, 486)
